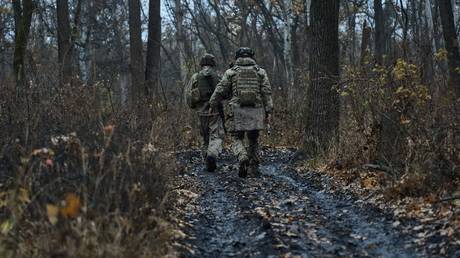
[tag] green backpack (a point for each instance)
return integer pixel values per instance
(247, 85)
(204, 86)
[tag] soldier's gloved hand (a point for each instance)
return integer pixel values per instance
(211, 110)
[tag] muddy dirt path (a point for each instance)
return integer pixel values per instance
(281, 213)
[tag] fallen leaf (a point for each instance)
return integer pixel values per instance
(109, 129)
(24, 195)
(52, 211)
(6, 226)
(369, 183)
(72, 206)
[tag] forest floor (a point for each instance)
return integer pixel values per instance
(289, 212)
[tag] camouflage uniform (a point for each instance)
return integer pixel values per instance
(211, 125)
(262, 107)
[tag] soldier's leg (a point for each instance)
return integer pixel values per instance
(216, 136)
(253, 151)
(239, 150)
(204, 132)
(215, 142)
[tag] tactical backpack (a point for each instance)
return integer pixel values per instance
(203, 88)
(248, 114)
(247, 85)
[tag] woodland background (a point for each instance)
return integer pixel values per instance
(92, 107)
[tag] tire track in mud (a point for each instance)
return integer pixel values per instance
(282, 213)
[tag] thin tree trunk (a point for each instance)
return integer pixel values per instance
(322, 114)
(22, 20)
(352, 32)
(428, 44)
(456, 15)
(366, 36)
(388, 136)
(152, 70)
(379, 31)
(180, 38)
(287, 41)
(64, 41)
(244, 13)
(136, 56)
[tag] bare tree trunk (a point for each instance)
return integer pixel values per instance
(136, 56)
(379, 31)
(22, 20)
(322, 114)
(352, 34)
(64, 41)
(388, 136)
(152, 70)
(287, 41)
(428, 46)
(244, 13)
(180, 38)
(2, 47)
(366, 36)
(451, 40)
(76, 30)
(456, 15)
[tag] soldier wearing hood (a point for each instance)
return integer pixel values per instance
(250, 105)
(198, 91)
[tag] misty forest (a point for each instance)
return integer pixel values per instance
(229, 128)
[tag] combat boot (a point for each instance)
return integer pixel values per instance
(243, 168)
(211, 163)
(254, 170)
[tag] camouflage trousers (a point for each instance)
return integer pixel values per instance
(212, 132)
(251, 152)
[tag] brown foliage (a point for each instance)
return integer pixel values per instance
(79, 177)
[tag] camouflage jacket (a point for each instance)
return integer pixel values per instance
(227, 87)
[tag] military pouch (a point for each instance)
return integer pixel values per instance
(249, 118)
(247, 98)
(196, 96)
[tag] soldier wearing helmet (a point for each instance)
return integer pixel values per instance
(197, 93)
(250, 105)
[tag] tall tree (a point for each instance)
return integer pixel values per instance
(379, 31)
(180, 38)
(428, 44)
(450, 37)
(152, 70)
(136, 56)
(23, 11)
(322, 114)
(287, 43)
(387, 124)
(64, 41)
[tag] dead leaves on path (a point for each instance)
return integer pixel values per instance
(439, 221)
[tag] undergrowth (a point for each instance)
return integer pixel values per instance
(79, 177)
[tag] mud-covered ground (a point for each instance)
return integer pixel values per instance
(279, 213)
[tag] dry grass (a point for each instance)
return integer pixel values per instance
(82, 179)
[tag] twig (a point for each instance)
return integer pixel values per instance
(448, 199)
(378, 167)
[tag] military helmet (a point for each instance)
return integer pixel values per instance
(208, 59)
(244, 52)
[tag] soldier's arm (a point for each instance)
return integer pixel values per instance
(266, 92)
(222, 91)
(188, 90)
